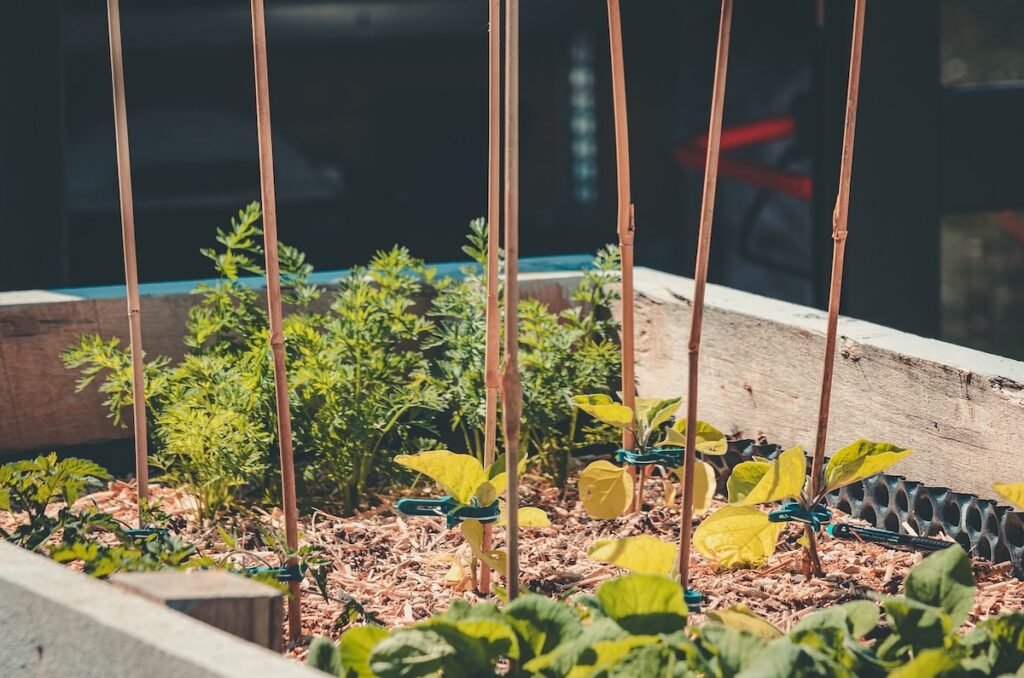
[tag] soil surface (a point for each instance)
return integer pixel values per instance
(397, 568)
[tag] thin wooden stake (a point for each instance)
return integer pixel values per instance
(512, 389)
(700, 279)
(840, 217)
(131, 274)
(492, 348)
(274, 313)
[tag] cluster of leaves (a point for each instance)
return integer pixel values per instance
(741, 535)
(636, 625)
(573, 351)
(607, 490)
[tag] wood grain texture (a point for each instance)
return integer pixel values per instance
(960, 410)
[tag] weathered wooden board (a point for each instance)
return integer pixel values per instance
(960, 410)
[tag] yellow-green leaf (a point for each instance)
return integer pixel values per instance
(859, 460)
(1011, 492)
(653, 412)
(473, 532)
(704, 483)
(486, 494)
(709, 439)
(459, 474)
(742, 618)
(645, 554)
(529, 516)
(602, 408)
(605, 490)
(737, 536)
(758, 482)
(498, 477)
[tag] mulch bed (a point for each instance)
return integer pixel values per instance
(395, 567)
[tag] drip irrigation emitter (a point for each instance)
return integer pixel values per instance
(450, 509)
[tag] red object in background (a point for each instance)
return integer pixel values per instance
(796, 185)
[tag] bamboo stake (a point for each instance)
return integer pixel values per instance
(512, 389)
(274, 313)
(131, 274)
(492, 377)
(625, 225)
(700, 279)
(839, 220)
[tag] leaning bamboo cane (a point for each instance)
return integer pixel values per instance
(625, 225)
(274, 313)
(839, 220)
(131, 274)
(700, 279)
(512, 388)
(492, 376)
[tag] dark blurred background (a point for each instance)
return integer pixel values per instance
(379, 114)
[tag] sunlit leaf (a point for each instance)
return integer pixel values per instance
(606, 490)
(355, 647)
(709, 439)
(644, 554)
(459, 474)
(944, 580)
(930, 664)
(758, 482)
(653, 412)
(705, 481)
(602, 408)
(742, 618)
(529, 516)
(473, 532)
(859, 460)
(486, 494)
(644, 603)
(736, 536)
(1011, 492)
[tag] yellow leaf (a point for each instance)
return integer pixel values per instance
(742, 618)
(473, 532)
(759, 482)
(859, 460)
(1011, 492)
(653, 412)
(486, 494)
(735, 536)
(704, 483)
(602, 408)
(709, 439)
(459, 474)
(645, 554)
(605, 490)
(529, 516)
(499, 478)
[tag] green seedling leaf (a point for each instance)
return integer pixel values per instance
(915, 625)
(653, 412)
(644, 554)
(644, 603)
(576, 656)
(498, 638)
(728, 651)
(859, 460)
(783, 659)
(933, 663)
(410, 652)
(356, 646)
(709, 439)
(737, 536)
(602, 408)
(705, 481)
(944, 580)
(611, 653)
(541, 624)
(742, 618)
(606, 490)
(324, 656)
(760, 482)
(459, 474)
(857, 618)
(1011, 492)
(486, 494)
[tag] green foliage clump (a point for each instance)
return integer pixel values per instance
(563, 353)
(636, 625)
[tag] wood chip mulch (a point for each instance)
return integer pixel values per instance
(397, 567)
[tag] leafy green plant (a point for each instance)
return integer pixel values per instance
(607, 490)
(636, 625)
(741, 535)
(573, 351)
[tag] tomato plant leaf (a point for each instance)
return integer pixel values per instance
(736, 536)
(643, 554)
(859, 460)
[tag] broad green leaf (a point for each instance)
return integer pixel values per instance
(742, 618)
(857, 618)
(486, 494)
(473, 532)
(644, 603)
(542, 624)
(759, 482)
(410, 652)
(606, 490)
(709, 439)
(944, 580)
(459, 474)
(355, 648)
(1006, 647)
(653, 412)
(324, 656)
(644, 554)
(705, 481)
(916, 625)
(602, 408)
(529, 516)
(859, 460)
(609, 654)
(728, 651)
(935, 663)
(575, 656)
(1011, 492)
(737, 536)
(498, 637)
(783, 659)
